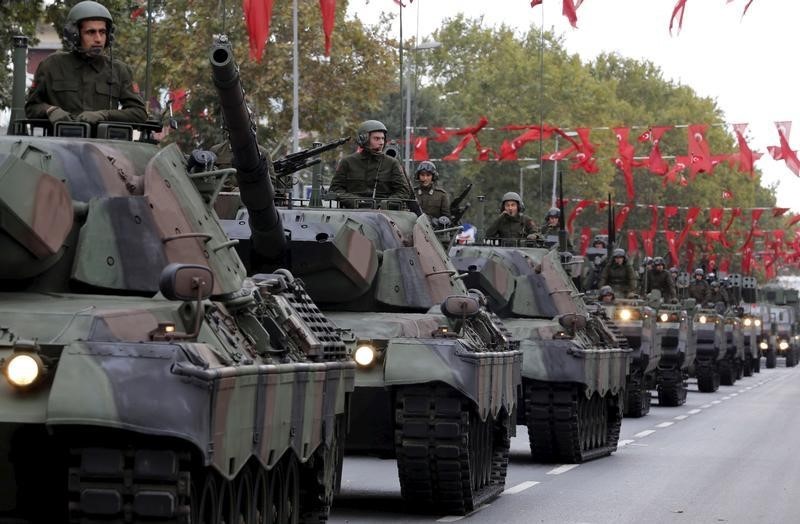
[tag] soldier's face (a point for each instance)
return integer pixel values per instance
(425, 178)
(377, 139)
(93, 34)
(552, 221)
(511, 207)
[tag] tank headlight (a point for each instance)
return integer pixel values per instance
(783, 345)
(763, 345)
(758, 322)
(664, 317)
(364, 355)
(23, 369)
(748, 322)
(625, 314)
(703, 319)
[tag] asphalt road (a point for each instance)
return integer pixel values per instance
(731, 456)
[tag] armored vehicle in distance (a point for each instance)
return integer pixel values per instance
(573, 369)
(675, 325)
(145, 377)
(711, 346)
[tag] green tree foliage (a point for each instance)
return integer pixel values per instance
(18, 18)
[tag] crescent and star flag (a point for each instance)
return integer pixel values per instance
(784, 152)
(744, 159)
(583, 204)
(625, 161)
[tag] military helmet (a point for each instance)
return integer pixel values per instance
(600, 238)
(647, 261)
(658, 261)
(367, 127)
(606, 290)
(618, 252)
(86, 10)
(553, 212)
(511, 195)
(715, 283)
(674, 269)
(699, 271)
(429, 167)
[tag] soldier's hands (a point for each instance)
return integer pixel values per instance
(56, 114)
(93, 117)
(536, 237)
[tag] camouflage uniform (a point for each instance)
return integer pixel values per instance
(434, 201)
(717, 294)
(699, 290)
(662, 281)
(355, 178)
(620, 277)
(78, 83)
(516, 227)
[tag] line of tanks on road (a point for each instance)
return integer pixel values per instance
(174, 353)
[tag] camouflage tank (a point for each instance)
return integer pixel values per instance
(711, 345)
(781, 327)
(145, 377)
(573, 369)
(731, 367)
(636, 321)
(675, 325)
(751, 323)
(438, 376)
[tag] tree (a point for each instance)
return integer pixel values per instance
(19, 18)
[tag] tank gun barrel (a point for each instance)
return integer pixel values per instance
(252, 172)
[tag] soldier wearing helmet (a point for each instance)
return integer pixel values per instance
(619, 274)
(369, 174)
(699, 289)
(607, 294)
(658, 278)
(433, 200)
(551, 226)
(512, 223)
(717, 295)
(83, 84)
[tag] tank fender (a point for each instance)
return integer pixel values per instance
(489, 379)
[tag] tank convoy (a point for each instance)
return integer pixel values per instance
(573, 368)
(675, 327)
(146, 377)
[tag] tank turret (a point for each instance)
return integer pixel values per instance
(252, 169)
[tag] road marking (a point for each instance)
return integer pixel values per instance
(749, 387)
(683, 417)
(623, 443)
(705, 406)
(456, 518)
(742, 390)
(716, 401)
(644, 433)
(664, 424)
(561, 469)
(725, 398)
(522, 486)
(694, 411)
(734, 394)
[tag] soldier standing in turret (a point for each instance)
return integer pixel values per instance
(699, 288)
(661, 280)
(84, 84)
(551, 226)
(368, 174)
(717, 294)
(433, 200)
(619, 274)
(512, 223)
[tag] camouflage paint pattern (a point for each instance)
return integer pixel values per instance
(641, 330)
(87, 227)
(530, 290)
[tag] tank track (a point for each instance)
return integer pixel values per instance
(447, 459)
(565, 426)
(727, 372)
(671, 387)
(637, 397)
(707, 377)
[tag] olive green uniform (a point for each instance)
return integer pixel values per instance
(699, 290)
(516, 227)
(434, 201)
(621, 278)
(717, 294)
(662, 281)
(356, 174)
(78, 83)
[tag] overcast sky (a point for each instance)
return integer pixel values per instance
(748, 64)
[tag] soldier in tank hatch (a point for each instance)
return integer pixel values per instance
(607, 294)
(434, 201)
(83, 84)
(369, 174)
(699, 289)
(619, 274)
(512, 223)
(658, 278)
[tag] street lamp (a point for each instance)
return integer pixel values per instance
(432, 44)
(521, 169)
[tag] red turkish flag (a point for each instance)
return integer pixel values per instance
(700, 158)
(779, 211)
(508, 150)
(584, 157)
(689, 255)
(633, 245)
(691, 218)
(673, 172)
(726, 195)
(619, 220)
(454, 154)
(421, 148)
(257, 15)
(755, 216)
(677, 11)
(648, 240)
(672, 245)
(784, 152)
(624, 161)
(328, 10)
(178, 97)
(792, 221)
(715, 216)
(669, 212)
(655, 162)
(744, 159)
(586, 234)
(654, 218)
(583, 204)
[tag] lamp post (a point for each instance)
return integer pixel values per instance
(521, 169)
(407, 135)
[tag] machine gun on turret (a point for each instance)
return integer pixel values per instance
(304, 158)
(456, 209)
